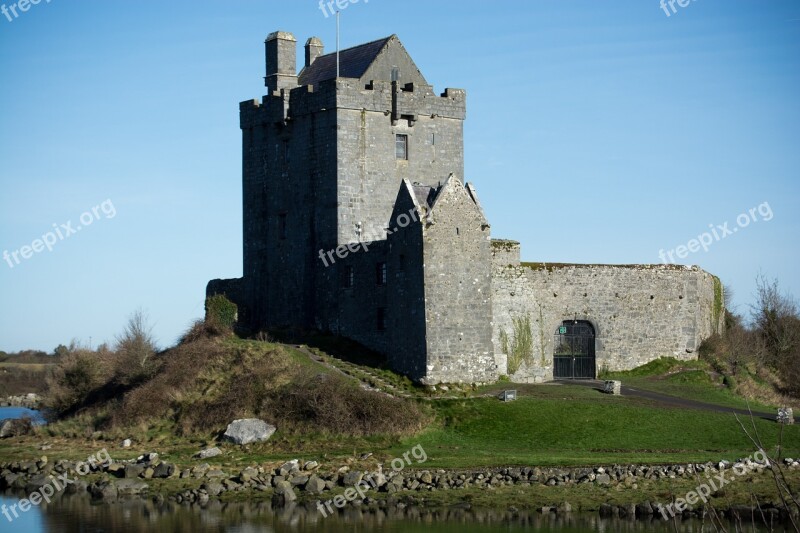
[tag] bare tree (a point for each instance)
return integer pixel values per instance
(136, 349)
(777, 323)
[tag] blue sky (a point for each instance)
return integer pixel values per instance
(597, 132)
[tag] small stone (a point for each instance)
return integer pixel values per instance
(352, 478)
(208, 453)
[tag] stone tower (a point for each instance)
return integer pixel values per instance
(323, 161)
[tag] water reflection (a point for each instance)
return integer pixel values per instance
(75, 513)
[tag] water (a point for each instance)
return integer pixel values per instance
(71, 513)
(20, 412)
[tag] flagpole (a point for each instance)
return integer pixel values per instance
(337, 43)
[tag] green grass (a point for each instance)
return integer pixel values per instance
(580, 426)
(551, 424)
(685, 379)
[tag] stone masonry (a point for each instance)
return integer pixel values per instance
(357, 221)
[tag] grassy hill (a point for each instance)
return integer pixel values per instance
(328, 406)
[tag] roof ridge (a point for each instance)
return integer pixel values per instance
(358, 46)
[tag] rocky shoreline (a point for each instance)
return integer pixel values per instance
(305, 483)
(29, 401)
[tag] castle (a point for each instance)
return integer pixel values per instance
(358, 222)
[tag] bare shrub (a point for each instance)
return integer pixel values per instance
(162, 393)
(136, 349)
(199, 330)
(333, 404)
(77, 376)
(18, 380)
(240, 385)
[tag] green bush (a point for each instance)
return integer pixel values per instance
(221, 312)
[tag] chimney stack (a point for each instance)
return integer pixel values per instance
(314, 49)
(281, 55)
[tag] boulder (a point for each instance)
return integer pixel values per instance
(164, 470)
(606, 510)
(15, 427)
(284, 492)
(37, 482)
(208, 453)
(116, 469)
(288, 467)
(130, 487)
(643, 509)
(213, 488)
(104, 490)
(315, 485)
(564, 507)
(134, 470)
(248, 430)
(78, 486)
(298, 481)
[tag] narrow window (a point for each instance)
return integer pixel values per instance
(380, 272)
(381, 319)
(282, 226)
(401, 147)
(348, 277)
(402, 267)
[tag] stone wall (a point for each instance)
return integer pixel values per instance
(458, 275)
(408, 352)
(369, 173)
(352, 310)
(639, 312)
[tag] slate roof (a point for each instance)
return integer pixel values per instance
(353, 63)
(425, 194)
